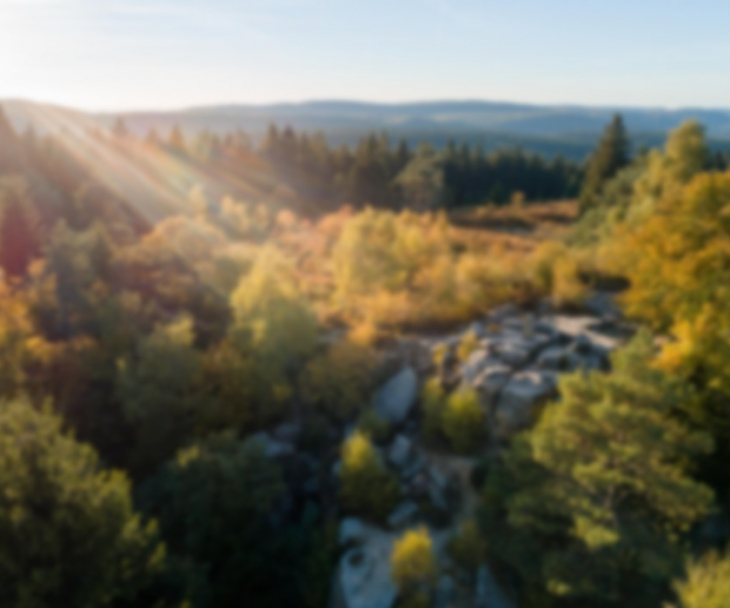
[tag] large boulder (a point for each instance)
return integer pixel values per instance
(490, 381)
(396, 398)
(487, 593)
(363, 576)
(400, 452)
(475, 363)
(404, 514)
(272, 448)
(352, 532)
(521, 398)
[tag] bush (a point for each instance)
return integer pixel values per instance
(433, 403)
(706, 585)
(467, 548)
(374, 426)
(464, 420)
(557, 273)
(468, 344)
(367, 488)
(339, 381)
(412, 563)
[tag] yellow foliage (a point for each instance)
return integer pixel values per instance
(468, 344)
(707, 583)
(557, 272)
(464, 420)
(412, 561)
(678, 263)
(366, 487)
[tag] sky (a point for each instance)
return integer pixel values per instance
(169, 54)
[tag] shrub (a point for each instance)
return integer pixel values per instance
(463, 420)
(706, 585)
(412, 562)
(433, 403)
(467, 547)
(557, 273)
(339, 381)
(468, 344)
(367, 488)
(374, 426)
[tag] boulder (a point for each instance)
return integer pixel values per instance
(444, 592)
(352, 532)
(501, 313)
(271, 447)
(415, 466)
(403, 514)
(400, 452)
(487, 593)
(288, 432)
(512, 352)
(520, 399)
(363, 575)
(557, 358)
(475, 363)
(491, 381)
(477, 329)
(396, 398)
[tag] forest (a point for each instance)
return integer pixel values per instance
(200, 339)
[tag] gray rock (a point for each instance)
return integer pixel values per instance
(491, 381)
(438, 478)
(444, 593)
(394, 401)
(487, 593)
(581, 345)
(415, 466)
(403, 514)
(364, 574)
(272, 448)
(400, 452)
(557, 358)
(477, 329)
(476, 362)
(513, 351)
(352, 532)
(520, 399)
(288, 432)
(501, 313)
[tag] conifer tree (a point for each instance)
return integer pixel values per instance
(611, 154)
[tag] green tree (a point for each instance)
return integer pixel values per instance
(463, 420)
(340, 380)
(215, 502)
(366, 486)
(157, 392)
(269, 309)
(598, 494)
(611, 155)
(70, 536)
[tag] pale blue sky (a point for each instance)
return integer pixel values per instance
(148, 54)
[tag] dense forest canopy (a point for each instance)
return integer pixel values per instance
(174, 309)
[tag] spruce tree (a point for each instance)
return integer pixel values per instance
(611, 154)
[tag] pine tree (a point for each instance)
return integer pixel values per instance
(611, 154)
(70, 536)
(598, 494)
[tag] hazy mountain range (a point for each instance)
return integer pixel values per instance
(546, 129)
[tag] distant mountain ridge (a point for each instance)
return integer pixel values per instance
(548, 129)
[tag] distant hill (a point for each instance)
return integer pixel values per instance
(549, 130)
